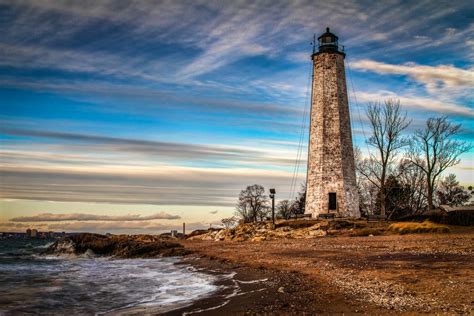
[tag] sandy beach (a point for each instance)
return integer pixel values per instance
(395, 274)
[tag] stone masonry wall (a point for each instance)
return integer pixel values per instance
(331, 165)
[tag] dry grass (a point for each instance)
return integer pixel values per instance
(424, 227)
(367, 232)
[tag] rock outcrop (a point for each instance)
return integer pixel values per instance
(292, 229)
(122, 246)
(264, 231)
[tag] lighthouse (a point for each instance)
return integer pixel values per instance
(331, 181)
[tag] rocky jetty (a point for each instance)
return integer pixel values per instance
(121, 246)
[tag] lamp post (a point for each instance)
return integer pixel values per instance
(272, 196)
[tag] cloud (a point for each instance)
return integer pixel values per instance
(213, 34)
(166, 150)
(100, 63)
(435, 78)
(299, 57)
(126, 227)
(109, 97)
(49, 217)
(418, 103)
(155, 185)
(15, 227)
(227, 47)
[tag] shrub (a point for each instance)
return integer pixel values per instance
(424, 227)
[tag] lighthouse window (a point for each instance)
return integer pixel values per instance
(332, 201)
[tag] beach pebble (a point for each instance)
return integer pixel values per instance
(281, 289)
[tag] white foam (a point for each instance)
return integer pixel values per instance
(177, 285)
(197, 311)
(44, 246)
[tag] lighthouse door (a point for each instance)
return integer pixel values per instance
(332, 201)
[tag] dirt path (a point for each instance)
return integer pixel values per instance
(410, 274)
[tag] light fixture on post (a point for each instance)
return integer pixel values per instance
(272, 196)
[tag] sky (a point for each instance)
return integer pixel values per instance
(137, 116)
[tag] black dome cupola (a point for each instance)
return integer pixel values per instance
(329, 42)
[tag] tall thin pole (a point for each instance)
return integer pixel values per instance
(273, 209)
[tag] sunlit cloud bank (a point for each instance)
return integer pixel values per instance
(435, 78)
(94, 222)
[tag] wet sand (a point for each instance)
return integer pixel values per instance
(409, 274)
(265, 291)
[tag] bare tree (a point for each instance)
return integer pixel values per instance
(229, 221)
(299, 203)
(284, 209)
(397, 197)
(433, 150)
(252, 203)
(451, 193)
(243, 210)
(368, 194)
(387, 122)
(264, 212)
(413, 180)
(366, 189)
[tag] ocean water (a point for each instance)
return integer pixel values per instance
(31, 283)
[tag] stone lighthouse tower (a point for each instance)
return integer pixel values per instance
(331, 179)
